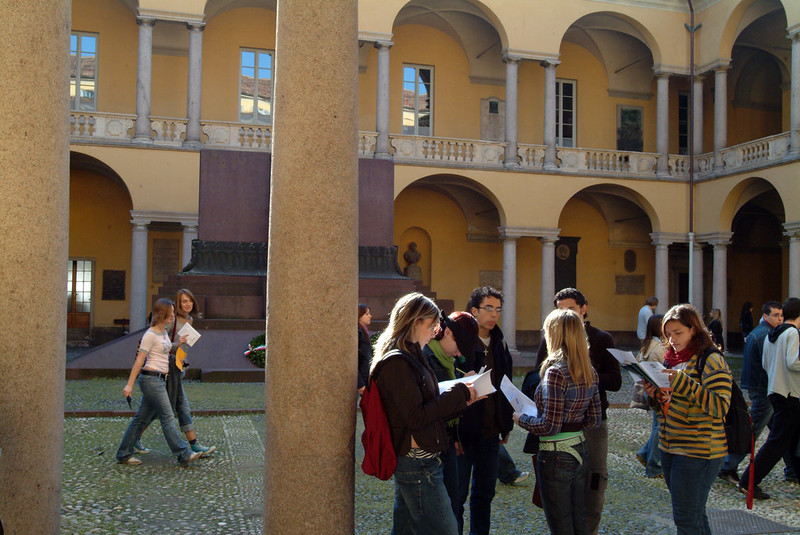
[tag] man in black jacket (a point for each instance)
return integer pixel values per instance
(486, 424)
(610, 379)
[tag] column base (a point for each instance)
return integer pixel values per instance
(511, 164)
(142, 140)
(550, 167)
(663, 174)
(383, 156)
(192, 144)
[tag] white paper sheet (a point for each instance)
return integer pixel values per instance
(652, 372)
(521, 403)
(189, 330)
(482, 383)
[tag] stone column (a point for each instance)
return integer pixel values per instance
(697, 108)
(662, 271)
(720, 113)
(548, 274)
(697, 276)
(662, 125)
(793, 233)
(550, 114)
(719, 292)
(794, 121)
(189, 234)
(512, 158)
(509, 318)
(138, 303)
(192, 139)
(34, 233)
(312, 259)
(382, 149)
(144, 71)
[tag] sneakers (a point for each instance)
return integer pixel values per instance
(729, 476)
(522, 477)
(758, 494)
(133, 461)
(140, 448)
(202, 450)
(641, 460)
(657, 476)
(192, 458)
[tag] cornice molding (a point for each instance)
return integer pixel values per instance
(145, 217)
(528, 232)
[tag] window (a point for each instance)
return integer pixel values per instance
(83, 71)
(683, 122)
(417, 100)
(255, 86)
(565, 113)
(79, 293)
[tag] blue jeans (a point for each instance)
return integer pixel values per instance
(651, 452)
(760, 413)
(689, 481)
(421, 504)
(450, 475)
(477, 469)
(562, 480)
(155, 404)
(507, 471)
(183, 409)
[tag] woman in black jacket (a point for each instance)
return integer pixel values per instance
(364, 346)
(417, 413)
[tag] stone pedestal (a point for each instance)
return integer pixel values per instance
(313, 246)
(34, 166)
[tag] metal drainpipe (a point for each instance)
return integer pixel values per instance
(692, 28)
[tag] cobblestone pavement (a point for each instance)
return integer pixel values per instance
(223, 494)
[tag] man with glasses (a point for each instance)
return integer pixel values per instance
(484, 425)
(610, 379)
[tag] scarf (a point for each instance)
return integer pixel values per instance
(448, 363)
(672, 358)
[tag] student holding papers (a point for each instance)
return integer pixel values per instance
(568, 401)
(692, 429)
(177, 329)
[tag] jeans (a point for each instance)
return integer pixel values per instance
(651, 452)
(182, 408)
(562, 484)
(155, 404)
(783, 436)
(596, 473)
(689, 481)
(507, 471)
(760, 413)
(450, 475)
(477, 469)
(421, 504)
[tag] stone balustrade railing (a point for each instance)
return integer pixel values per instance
(119, 128)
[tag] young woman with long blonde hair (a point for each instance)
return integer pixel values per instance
(568, 400)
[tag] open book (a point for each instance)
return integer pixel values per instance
(481, 382)
(648, 371)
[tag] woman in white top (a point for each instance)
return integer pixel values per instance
(653, 349)
(152, 367)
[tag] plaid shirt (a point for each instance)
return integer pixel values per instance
(559, 401)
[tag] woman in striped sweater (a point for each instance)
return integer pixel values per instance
(692, 418)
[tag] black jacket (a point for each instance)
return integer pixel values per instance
(364, 357)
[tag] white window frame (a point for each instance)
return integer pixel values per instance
(74, 100)
(562, 141)
(416, 109)
(254, 120)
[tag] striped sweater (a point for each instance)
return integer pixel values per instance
(695, 422)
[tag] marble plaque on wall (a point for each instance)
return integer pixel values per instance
(491, 278)
(629, 284)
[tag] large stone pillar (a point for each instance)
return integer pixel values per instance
(144, 70)
(34, 232)
(662, 271)
(550, 115)
(548, 273)
(697, 109)
(382, 150)
(697, 276)
(512, 157)
(313, 271)
(138, 298)
(794, 121)
(662, 125)
(509, 318)
(193, 92)
(720, 113)
(719, 292)
(793, 233)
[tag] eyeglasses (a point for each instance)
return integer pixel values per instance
(490, 309)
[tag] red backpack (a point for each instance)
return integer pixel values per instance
(380, 459)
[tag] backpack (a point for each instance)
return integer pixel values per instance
(738, 426)
(380, 459)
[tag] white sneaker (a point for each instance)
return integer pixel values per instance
(193, 457)
(130, 460)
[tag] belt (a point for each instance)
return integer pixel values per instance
(566, 445)
(155, 374)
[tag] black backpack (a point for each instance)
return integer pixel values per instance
(738, 426)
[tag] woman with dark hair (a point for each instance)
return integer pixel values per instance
(746, 319)
(364, 346)
(151, 367)
(416, 413)
(692, 417)
(652, 350)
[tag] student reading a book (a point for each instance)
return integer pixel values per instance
(692, 419)
(187, 304)
(568, 399)
(416, 413)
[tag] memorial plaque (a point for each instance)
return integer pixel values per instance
(629, 284)
(113, 285)
(491, 278)
(166, 259)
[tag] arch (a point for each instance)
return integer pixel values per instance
(601, 197)
(744, 14)
(613, 21)
(743, 192)
(217, 7)
(85, 162)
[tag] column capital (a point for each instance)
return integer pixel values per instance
(196, 26)
(721, 65)
(550, 63)
(793, 32)
(145, 21)
(383, 44)
(715, 238)
(792, 230)
(667, 238)
(512, 58)
(379, 39)
(145, 217)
